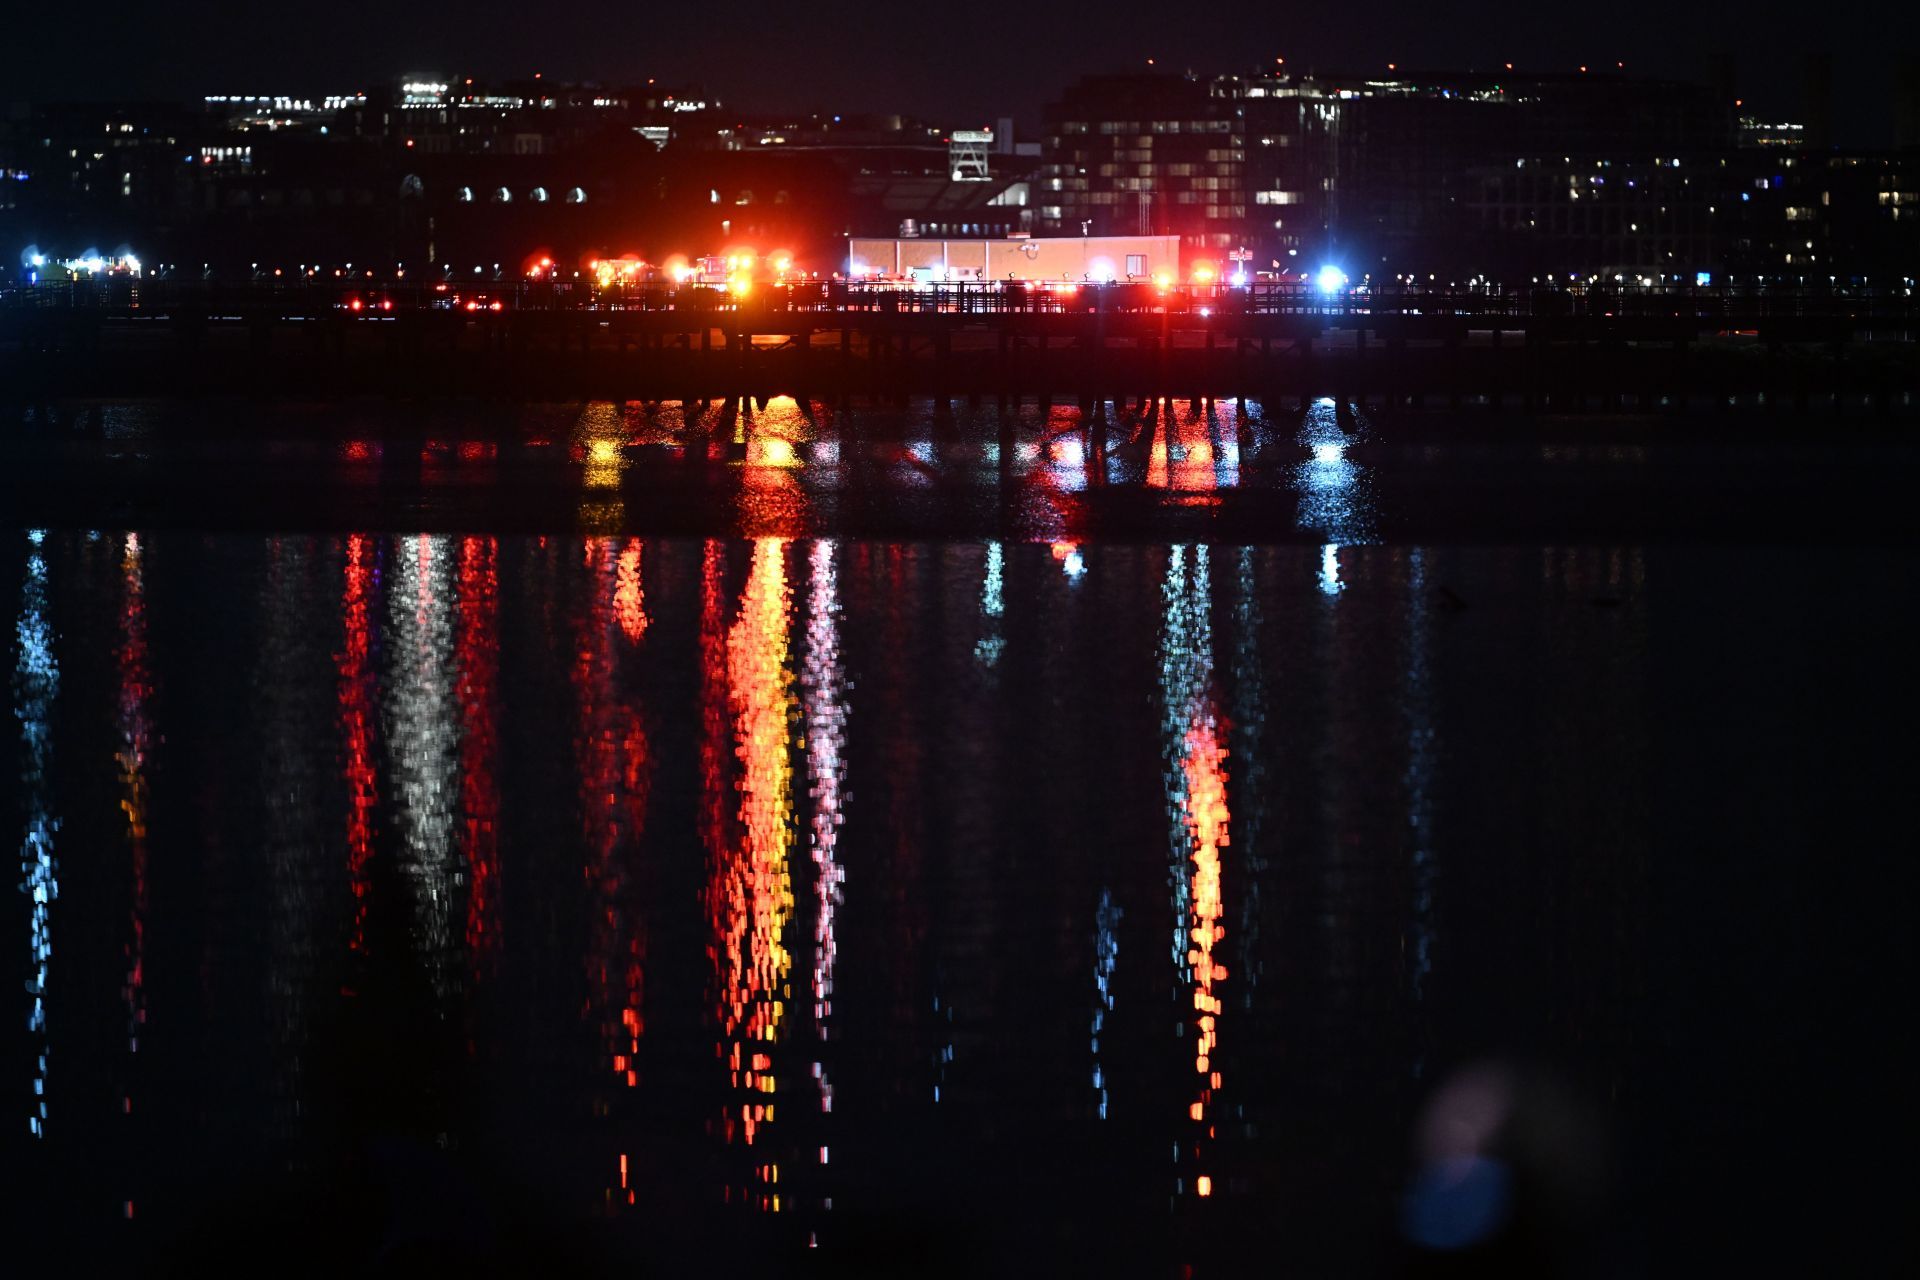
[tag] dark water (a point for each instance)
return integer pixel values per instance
(1040, 904)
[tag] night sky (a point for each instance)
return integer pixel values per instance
(951, 63)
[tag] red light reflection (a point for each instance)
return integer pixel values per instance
(615, 777)
(356, 725)
(136, 738)
(477, 660)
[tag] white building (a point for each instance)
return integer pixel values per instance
(1081, 259)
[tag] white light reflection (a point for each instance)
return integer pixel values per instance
(993, 605)
(1106, 955)
(1330, 583)
(823, 684)
(1249, 724)
(420, 716)
(1420, 767)
(992, 600)
(36, 679)
(1335, 497)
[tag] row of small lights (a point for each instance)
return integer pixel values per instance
(1329, 280)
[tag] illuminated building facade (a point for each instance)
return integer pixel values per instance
(1077, 258)
(1458, 173)
(1222, 163)
(1801, 215)
(1451, 175)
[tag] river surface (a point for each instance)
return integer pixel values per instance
(1067, 869)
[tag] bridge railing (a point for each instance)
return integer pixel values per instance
(842, 298)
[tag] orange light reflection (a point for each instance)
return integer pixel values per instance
(750, 893)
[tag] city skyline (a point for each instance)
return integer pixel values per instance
(830, 56)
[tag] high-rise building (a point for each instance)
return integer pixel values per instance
(1405, 173)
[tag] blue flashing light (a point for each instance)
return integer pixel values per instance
(1331, 280)
(1703, 278)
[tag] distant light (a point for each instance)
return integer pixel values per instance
(1239, 280)
(1331, 280)
(1703, 278)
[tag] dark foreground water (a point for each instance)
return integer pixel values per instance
(1051, 904)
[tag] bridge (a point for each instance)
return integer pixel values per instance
(1402, 343)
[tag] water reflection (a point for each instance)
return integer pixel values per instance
(824, 691)
(1335, 493)
(1421, 752)
(477, 660)
(566, 720)
(419, 718)
(992, 606)
(1194, 746)
(294, 697)
(773, 501)
(1249, 717)
(1189, 456)
(599, 445)
(36, 681)
(1106, 957)
(823, 684)
(629, 597)
(1329, 575)
(750, 896)
(356, 701)
(615, 769)
(136, 737)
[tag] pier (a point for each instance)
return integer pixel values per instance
(1543, 348)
